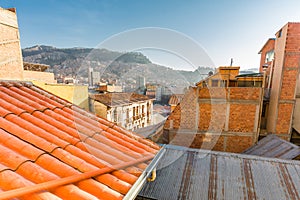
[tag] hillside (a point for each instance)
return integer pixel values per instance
(111, 65)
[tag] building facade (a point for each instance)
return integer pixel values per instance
(224, 76)
(217, 117)
(230, 112)
(129, 110)
(283, 72)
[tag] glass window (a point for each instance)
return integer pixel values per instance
(269, 56)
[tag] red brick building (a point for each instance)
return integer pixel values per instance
(284, 79)
(222, 119)
(232, 118)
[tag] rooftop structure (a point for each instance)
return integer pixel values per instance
(274, 147)
(51, 149)
(224, 76)
(185, 173)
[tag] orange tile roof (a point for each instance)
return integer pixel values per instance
(51, 149)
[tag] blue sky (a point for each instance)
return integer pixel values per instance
(225, 29)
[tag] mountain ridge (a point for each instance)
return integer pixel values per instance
(111, 64)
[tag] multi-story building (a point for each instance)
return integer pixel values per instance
(130, 110)
(266, 60)
(282, 57)
(217, 114)
(249, 106)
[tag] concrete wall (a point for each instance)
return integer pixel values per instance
(11, 63)
(222, 119)
(45, 77)
(99, 108)
(77, 94)
(276, 80)
(286, 70)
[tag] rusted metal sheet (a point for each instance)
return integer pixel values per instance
(185, 173)
(274, 147)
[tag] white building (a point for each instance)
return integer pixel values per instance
(130, 110)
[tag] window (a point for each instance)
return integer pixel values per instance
(279, 33)
(269, 56)
(148, 110)
(224, 83)
(143, 110)
(214, 83)
(232, 83)
(133, 112)
(127, 113)
(115, 115)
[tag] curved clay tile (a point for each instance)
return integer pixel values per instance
(45, 138)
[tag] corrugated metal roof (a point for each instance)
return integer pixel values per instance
(184, 173)
(274, 147)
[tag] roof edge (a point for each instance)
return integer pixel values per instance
(138, 185)
(266, 44)
(238, 155)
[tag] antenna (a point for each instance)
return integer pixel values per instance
(231, 62)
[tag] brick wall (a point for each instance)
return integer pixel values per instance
(242, 118)
(227, 119)
(270, 44)
(11, 64)
(284, 83)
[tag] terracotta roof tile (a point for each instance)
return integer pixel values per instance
(51, 149)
